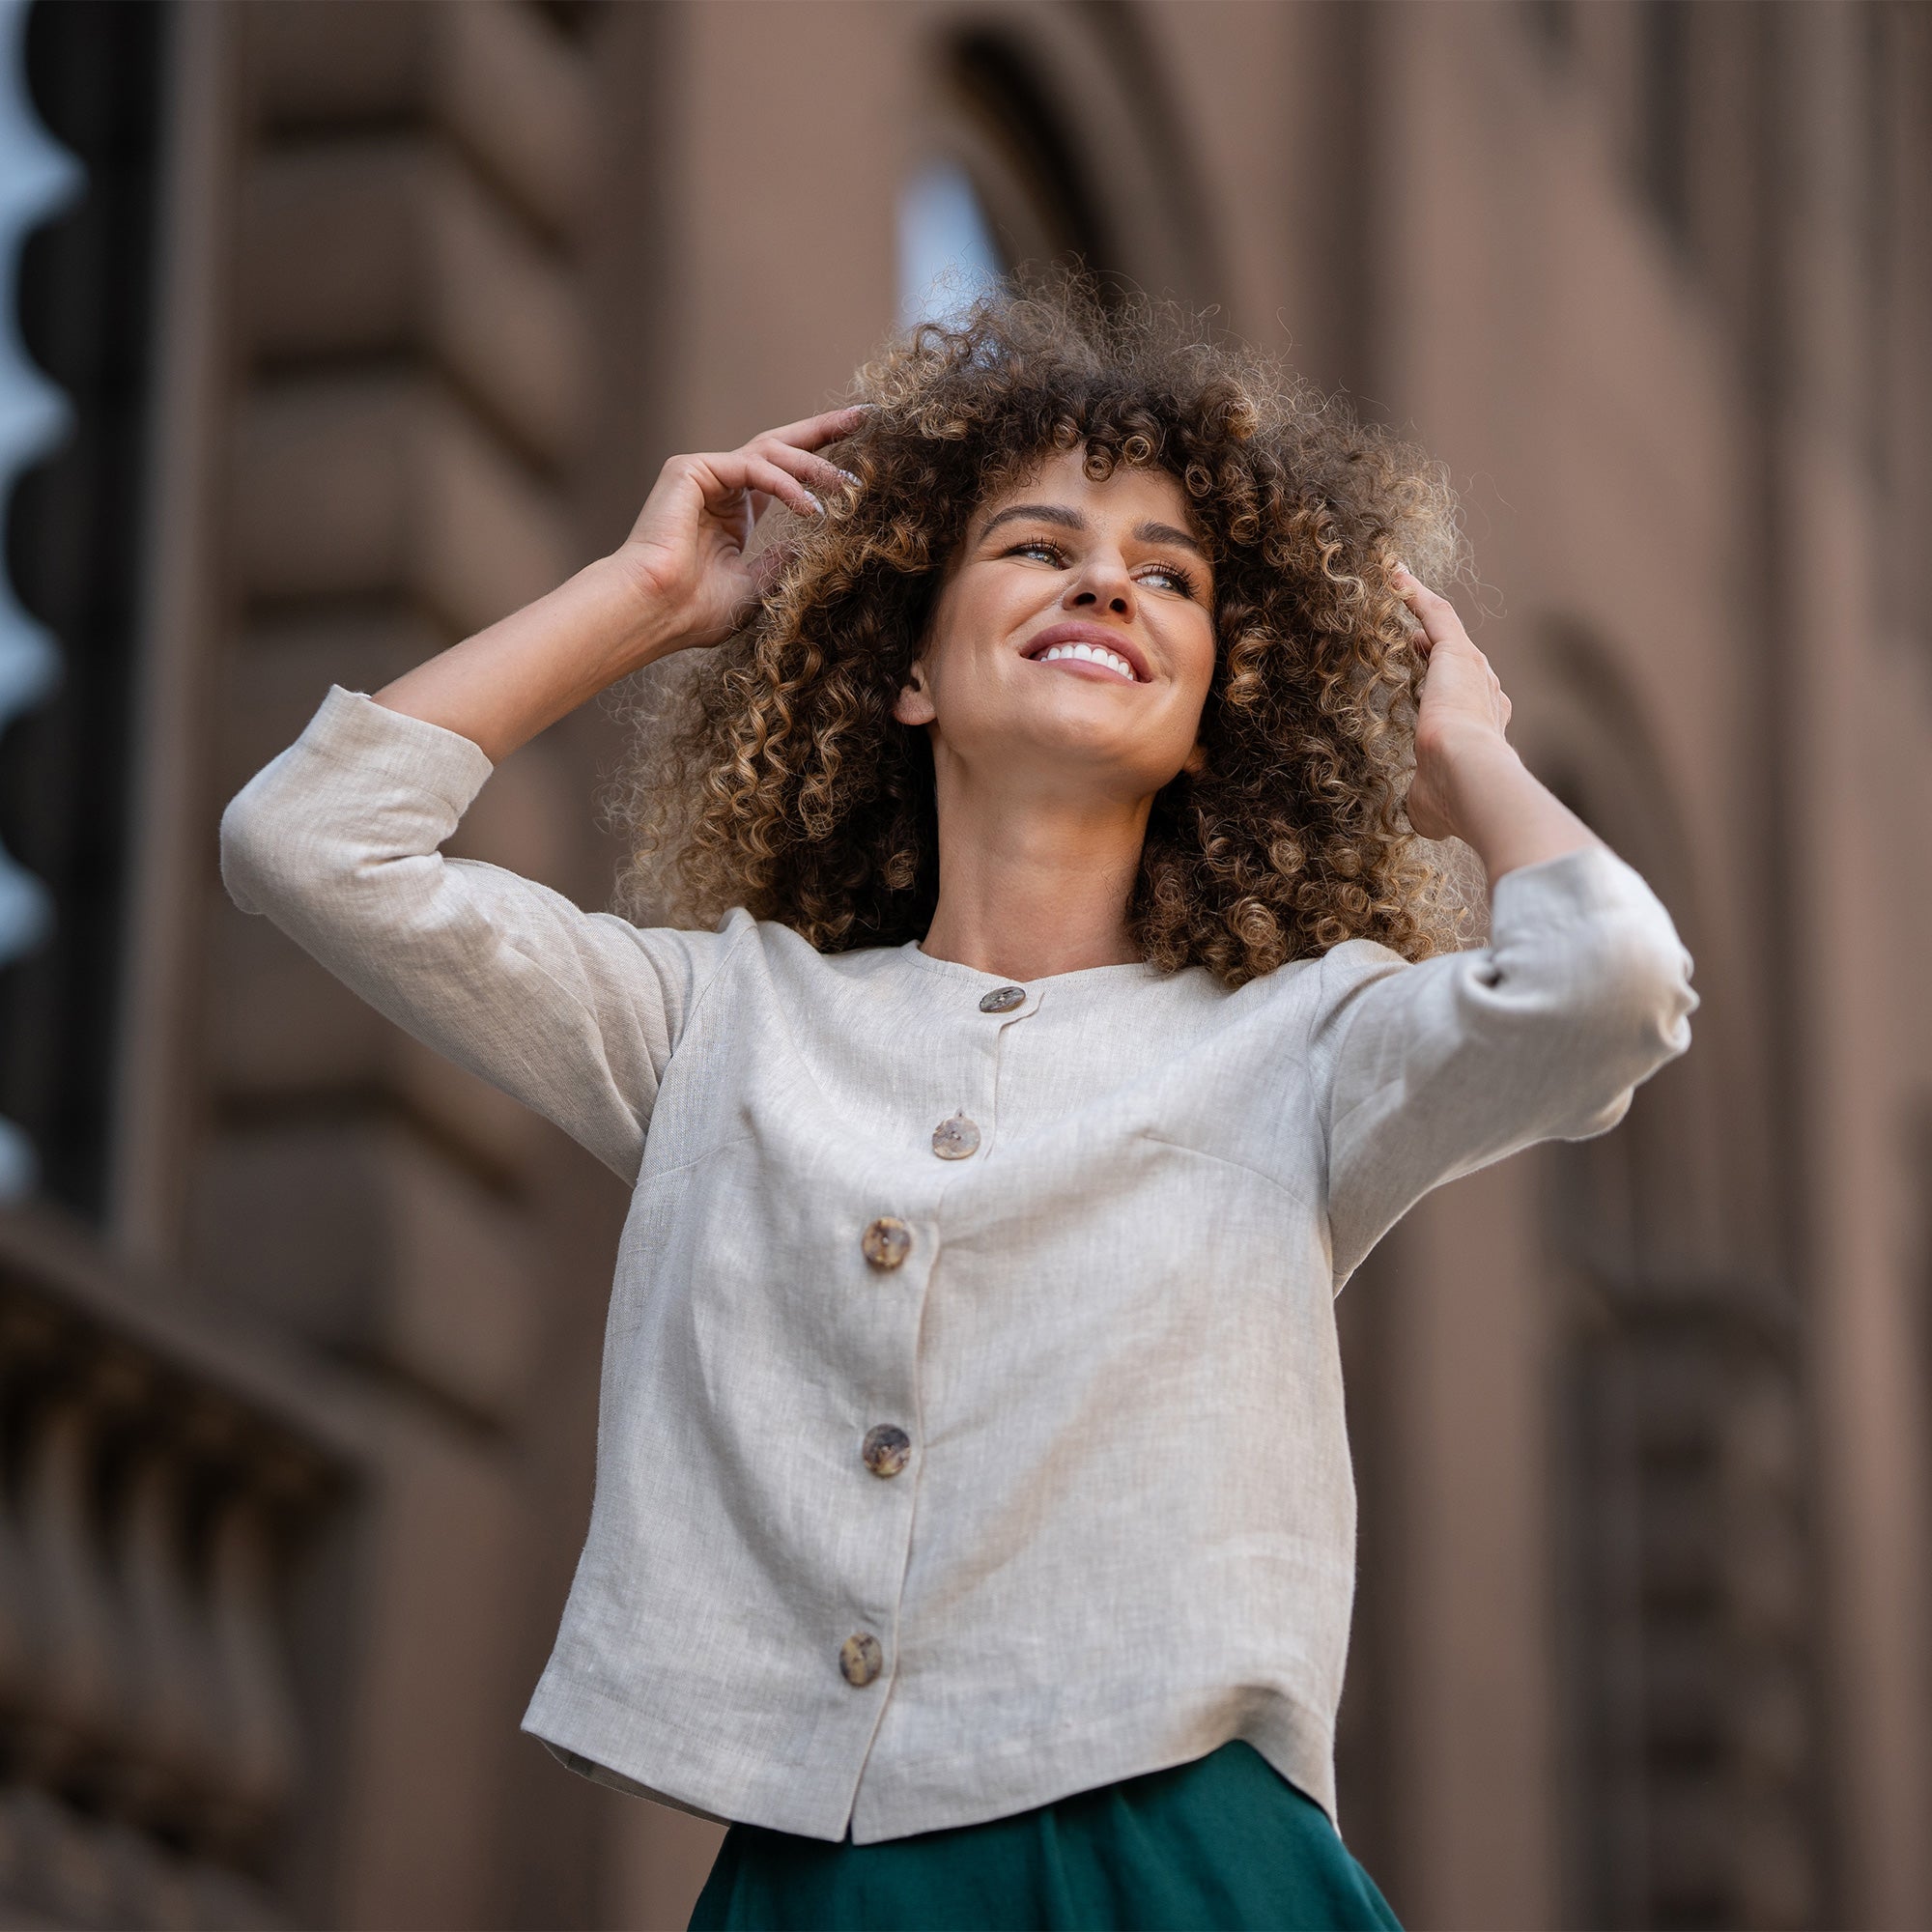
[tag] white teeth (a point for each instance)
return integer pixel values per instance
(1089, 654)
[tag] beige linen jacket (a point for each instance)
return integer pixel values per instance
(1123, 1528)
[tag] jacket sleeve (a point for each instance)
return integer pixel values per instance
(573, 1013)
(1437, 1068)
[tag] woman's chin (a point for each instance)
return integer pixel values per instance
(1071, 754)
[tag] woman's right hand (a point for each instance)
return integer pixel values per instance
(687, 551)
(680, 578)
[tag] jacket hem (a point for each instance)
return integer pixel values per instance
(889, 1797)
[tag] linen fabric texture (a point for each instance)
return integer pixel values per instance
(1125, 1533)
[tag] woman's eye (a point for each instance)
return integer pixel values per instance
(1170, 576)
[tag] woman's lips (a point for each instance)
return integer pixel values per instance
(1091, 650)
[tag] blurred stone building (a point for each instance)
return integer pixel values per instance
(375, 320)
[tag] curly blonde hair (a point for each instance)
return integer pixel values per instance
(773, 774)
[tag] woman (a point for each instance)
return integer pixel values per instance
(1056, 1004)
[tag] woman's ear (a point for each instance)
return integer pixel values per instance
(913, 704)
(1196, 760)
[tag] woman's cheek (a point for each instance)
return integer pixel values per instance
(1196, 651)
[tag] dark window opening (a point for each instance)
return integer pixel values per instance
(93, 74)
(1046, 208)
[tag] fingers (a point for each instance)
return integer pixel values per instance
(815, 432)
(814, 471)
(1435, 614)
(741, 469)
(780, 465)
(777, 467)
(1440, 625)
(791, 447)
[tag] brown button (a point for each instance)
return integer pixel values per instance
(955, 1139)
(860, 1659)
(1003, 1000)
(887, 1449)
(886, 1242)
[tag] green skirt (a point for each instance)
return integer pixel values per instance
(1225, 1842)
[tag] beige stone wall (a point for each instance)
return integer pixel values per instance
(1640, 1426)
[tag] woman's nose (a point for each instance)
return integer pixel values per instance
(1102, 584)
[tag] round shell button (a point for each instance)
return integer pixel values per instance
(1003, 1000)
(887, 1449)
(860, 1659)
(956, 1138)
(886, 1242)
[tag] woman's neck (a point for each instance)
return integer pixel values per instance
(1032, 885)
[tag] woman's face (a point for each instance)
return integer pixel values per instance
(1071, 643)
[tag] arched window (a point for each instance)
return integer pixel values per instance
(997, 186)
(946, 253)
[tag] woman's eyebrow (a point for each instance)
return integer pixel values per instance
(1166, 533)
(1038, 513)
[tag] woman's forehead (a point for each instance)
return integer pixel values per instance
(1060, 479)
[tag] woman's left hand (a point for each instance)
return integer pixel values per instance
(1463, 714)
(1469, 784)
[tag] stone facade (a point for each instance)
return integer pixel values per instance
(304, 1324)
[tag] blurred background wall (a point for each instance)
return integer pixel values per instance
(346, 327)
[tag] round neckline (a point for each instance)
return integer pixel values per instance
(955, 968)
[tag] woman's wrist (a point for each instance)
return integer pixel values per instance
(1498, 808)
(642, 623)
(502, 686)
(646, 621)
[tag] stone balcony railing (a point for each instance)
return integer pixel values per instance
(163, 1482)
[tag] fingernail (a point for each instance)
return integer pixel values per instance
(815, 502)
(848, 476)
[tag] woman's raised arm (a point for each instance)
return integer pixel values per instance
(1583, 991)
(682, 577)
(336, 839)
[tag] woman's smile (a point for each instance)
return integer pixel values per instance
(1090, 651)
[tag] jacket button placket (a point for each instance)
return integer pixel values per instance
(887, 1243)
